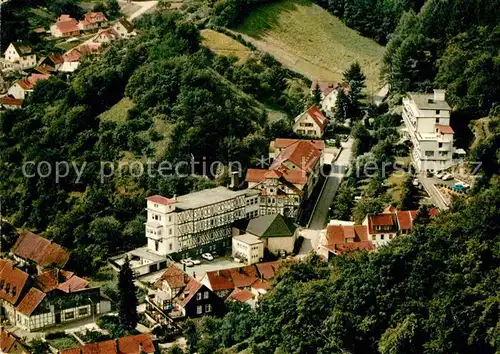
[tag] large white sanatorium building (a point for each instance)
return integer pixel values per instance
(427, 120)
(197, 222)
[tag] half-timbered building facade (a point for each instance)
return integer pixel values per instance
(197, 222)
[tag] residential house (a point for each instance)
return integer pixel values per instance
(256, 278)
(375, 231)
(289, 180)
(92, 21)
(106, 35)
(198, 222)
(66, 26)
(73, 56)
(329, 92)
(137, 344)
(12, 344)
(124, 28)
(47, 299)
(248, 248)
(19, 55)
(244, 296)
(22, 88)
(310, 123)
(276, 231)
(30, 247)
(179, 296)
(54, 61)
(339, 239)
(8, 102)
(427, 121)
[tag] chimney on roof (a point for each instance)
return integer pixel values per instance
(234, 180)
(439, 95)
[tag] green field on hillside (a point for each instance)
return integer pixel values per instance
(308, 39)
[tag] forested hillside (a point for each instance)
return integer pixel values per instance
(451, 44)
(171, 82)
(433, 291)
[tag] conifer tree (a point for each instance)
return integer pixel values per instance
(127, 302)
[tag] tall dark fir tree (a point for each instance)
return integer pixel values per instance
(356, 80)
(316, 95)
(127, 303)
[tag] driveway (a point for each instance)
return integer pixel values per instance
(428, 183)
(135, 9)
(332, 182)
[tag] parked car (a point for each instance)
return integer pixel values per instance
(447, 177)
(237, 260)
(439, 174)
(207, 256)
(429, 174)
(196, 261)
(215, 254)
(415, 182)
(458, 188)
(189, 264)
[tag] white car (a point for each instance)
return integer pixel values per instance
(439, 174)
(447, 177)
(188, 263)
(207, 256)
(196, 261)
(415, 182)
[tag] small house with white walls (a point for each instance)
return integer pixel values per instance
(19, 56)
(310, 123)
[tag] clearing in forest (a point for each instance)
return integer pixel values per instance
(311, 41)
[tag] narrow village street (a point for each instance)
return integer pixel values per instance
(339, 168)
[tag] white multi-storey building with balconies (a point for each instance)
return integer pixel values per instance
(427, 120)
(197, 222)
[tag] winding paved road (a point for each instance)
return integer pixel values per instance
(320, 212)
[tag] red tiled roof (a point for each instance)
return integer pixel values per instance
(29, 82)
(283, 143)
(6, 100)
(85, 48)
(95, 17)
(40, 250)
(260, 284)
(243, 276)
(65, 18)
(268, 269)
(382, 219)
(30, 301)
(256, 175)
(161, 200)
(405, 219)
(12, 281)
(191, 289)
(337, 237)
(124, 345)
(318, 117)
(174, 277)
(302, 154)
(241, 295)
(9, 343)
(68, 26)
(47, 281)
(352, 246)
(220, 280)
(444, 129)
(73, 284)
(327, 87)
(433, 212)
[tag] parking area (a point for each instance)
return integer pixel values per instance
(429, 182)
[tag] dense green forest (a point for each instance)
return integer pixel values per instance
(433, 291)
(21, 17)
(179, 99)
